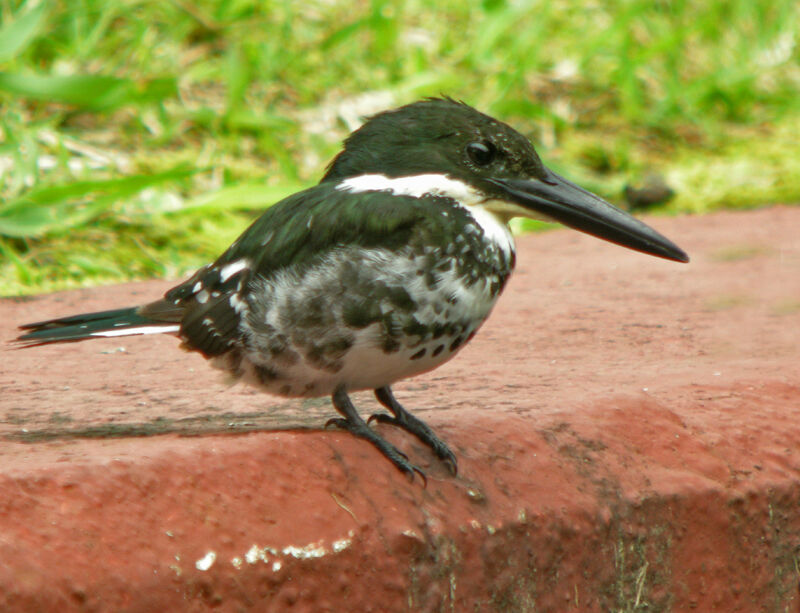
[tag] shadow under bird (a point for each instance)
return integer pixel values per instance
(382, 271)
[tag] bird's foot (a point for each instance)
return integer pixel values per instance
(406, 421)
(355, 425)
(423, 433)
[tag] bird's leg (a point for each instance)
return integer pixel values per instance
(405, 420)
(353, 423)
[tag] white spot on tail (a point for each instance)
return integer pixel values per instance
(138, 330)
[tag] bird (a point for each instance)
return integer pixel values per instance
(383, 270)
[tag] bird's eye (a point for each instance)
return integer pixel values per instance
(481, 154)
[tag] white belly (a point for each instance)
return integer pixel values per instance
(304, 342)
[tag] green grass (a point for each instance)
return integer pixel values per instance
(139, 137)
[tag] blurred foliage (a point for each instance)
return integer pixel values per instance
(138, 137)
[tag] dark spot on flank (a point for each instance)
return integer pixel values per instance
(445, 265)
(313, 312)
(315, 356)
(233, 362)
(431, 280)
(415, 328)
(318, 356)
(400, 298)
(338, 346)
(438, 350)
(349, 272)
(453, 329)
(456, 343)
(265, 374)
(286, 390)
(278, 344)
(360, 314)
(390, 345)
(260, 325)
(418, 354)
(391, 327)
(286, 358)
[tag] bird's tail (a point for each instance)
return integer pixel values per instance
(119, 322)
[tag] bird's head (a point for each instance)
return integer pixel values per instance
(446, 147)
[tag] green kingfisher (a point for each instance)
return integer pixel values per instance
(382, 271)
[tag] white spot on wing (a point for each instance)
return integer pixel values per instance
(237, 303)
(231, 269)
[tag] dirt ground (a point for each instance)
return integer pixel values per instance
(627, 432)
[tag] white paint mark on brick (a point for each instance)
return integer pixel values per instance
(252, 555)
(206, 562)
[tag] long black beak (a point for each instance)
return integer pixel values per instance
(560, 200)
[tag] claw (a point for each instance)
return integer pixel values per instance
(411, 471)
(421, 474)
(380, 418)
(450, 462)
(336, 421)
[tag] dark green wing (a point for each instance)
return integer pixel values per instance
(294, 233)
(312, 222)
